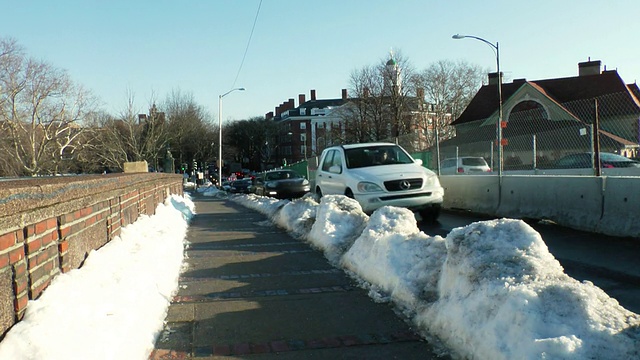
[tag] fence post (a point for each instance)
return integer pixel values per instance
(493, 166)
(535, 153)
(438, 151)
(596, 139)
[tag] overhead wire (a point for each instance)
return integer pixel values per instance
(255, 20)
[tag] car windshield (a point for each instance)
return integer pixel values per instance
(376, 155)
(613, 157)
(474, 161)
(282, 175)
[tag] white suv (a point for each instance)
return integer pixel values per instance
(378, 174)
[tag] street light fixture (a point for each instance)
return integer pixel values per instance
(495, 47)
(220, 132)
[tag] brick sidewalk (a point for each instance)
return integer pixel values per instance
(252, 291)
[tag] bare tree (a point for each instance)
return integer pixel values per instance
(192, 136)
(131, 136)
(249, 140)
(448, 88)
(380, 102)
(41, 111)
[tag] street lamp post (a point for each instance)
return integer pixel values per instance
(496, 47)
(220, 132)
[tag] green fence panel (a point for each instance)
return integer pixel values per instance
(425, 156)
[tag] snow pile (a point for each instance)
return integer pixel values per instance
(490, 290)
(114, 306)
(339, 222)
(396, 257)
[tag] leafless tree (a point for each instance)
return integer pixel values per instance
(380, 101)
(131, 136)
(448, 88)
(192, 136)
(250, 140)
(41, 112)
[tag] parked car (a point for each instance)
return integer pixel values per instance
(240, 186)
(584, 160)
(464, 165)
(379, 174)
(281, 184)
(226, 185)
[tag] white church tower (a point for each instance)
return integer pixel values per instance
(392, 77)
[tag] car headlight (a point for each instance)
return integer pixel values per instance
(366, 186)
(433, 181)
(270, 184)
(305, 182)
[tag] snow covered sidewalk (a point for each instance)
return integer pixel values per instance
(114, 306)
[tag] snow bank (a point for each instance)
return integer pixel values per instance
(490, 290)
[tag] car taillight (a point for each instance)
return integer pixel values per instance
(460, 170)
(488, 170)
(607, 166)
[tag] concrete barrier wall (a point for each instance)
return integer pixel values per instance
(607, 205)
(49, 225)
(476, 193)
(572, 200)
(621, 209)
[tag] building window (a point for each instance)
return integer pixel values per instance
(303, 126)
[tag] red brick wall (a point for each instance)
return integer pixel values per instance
(49, 226)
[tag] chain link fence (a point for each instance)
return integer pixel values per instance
(538, 136)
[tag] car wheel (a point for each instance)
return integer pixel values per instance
(430, 215)
(318, 193)
(348, 193)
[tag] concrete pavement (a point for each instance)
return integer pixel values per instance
(252, 291)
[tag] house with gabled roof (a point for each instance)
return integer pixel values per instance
(547, 119)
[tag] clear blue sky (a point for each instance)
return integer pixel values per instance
(152, 47)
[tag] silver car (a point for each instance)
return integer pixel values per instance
(464, 165)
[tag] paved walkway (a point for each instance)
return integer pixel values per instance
(252, 291)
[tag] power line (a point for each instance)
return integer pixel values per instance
(248, 43)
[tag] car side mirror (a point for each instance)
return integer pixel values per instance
(336, 169)
(419, 161)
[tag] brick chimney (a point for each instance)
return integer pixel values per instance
(493, 78)
(291, 104)
(420, 93)
(344, 94)
(301, 99)
(313, 95)
(365, 92)
(589, 68)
